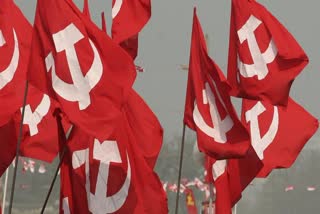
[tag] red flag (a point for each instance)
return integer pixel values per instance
(86, 10)
(264, 58)
(108, 177)
(224, 174)
(230, 178)
(103, 23)
(129, 17)
(145, 127)
(249, 167)
(77, 64)
(223, 202)
(40, 135)
(278, 134)
(190, 202)
(208, 108)
(15, 39)
(8, 142)
(15, 42)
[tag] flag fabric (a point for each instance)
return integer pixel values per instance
(78, 65)
(145, 127)
(128, 18)
(278, 133)
(248, 169)
(15, 39)
(208, 108)
(86, 9)
(8, 142)
(223, 202)
(190, 202)
(40, 131)
(264, 58)
(39, 138)
(231, 177)
(225, 176)
(109, 177)
(220, 134)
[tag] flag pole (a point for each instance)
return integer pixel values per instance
(53, 180)
(184, 68)
(211, 200)
(180, 168)
(5, 190)
(18, 147)
(64, 137)
(235, 208)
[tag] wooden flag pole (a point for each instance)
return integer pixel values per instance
(18, 148)
(5, 190)
(180, 168)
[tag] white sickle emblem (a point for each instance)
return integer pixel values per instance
(218, 168)
(106, 153)
(116, 8)
(221, 127)
(7, 75)
(65, 40)
(261, 143)
(34, 118)
(260, 60)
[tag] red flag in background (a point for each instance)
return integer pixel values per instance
(15, 39)
(78, 65)
(8, 142)
(208, 108)
(109, 177)
(40, 131)
(129, 17)
(278, 134)
(264, 58)
(190, 202)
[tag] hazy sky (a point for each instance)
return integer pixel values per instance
(165, 42)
